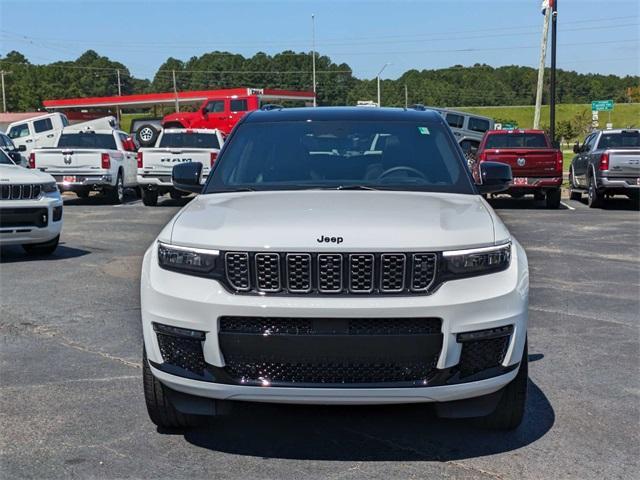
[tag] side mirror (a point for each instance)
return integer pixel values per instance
(22, 148)
(205, 113)
(186, 177)
(576, 148)
(495, 177)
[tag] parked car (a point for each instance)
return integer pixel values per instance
(30, 208)
(222, 112)
(536, 163)
(175, 145)
(86, 159)
(37, 132)
(8, 147)
(338, 275)
(606, 164)
(468, 128)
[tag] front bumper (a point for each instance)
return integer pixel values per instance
(14, 234)
(465, 305)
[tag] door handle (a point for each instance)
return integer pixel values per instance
(50, 135)
(28, 141)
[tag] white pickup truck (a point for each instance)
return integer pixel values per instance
(175, 146)
(87, 159)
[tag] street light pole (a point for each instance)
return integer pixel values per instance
(378, 76)
(552, 86)
(313, 56)
(4, 99)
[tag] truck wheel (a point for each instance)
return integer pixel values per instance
(510, 410)
(595, 199)
(161, 410)
(82, 194)
(553, 198)
(150, 197)
(147, 135)
(538, 196)
(44, 248)
(115, 195)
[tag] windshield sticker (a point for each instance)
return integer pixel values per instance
(423, 130)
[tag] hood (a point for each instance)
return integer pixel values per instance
(16, 174)
(358, 220)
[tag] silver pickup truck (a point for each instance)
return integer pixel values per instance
(606, 164)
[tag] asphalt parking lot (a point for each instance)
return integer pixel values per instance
(71, 401)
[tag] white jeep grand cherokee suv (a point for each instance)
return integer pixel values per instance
(312, 269)
(30, 208)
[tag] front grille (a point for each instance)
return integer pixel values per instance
(330, 351)
(24, 217)
(26, 191)
(478, 355)
(181, 352)
(330, 273)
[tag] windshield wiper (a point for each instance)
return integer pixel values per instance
(231, 190)
(355, 187)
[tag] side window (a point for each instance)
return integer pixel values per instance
(215, 106)
(478, 124)
(588, 143)
(42, 125)
(239, 105)
(455, 121)
(19, 131)
(65, 121)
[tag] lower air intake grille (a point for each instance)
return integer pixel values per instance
(480, 355)
(185, 353)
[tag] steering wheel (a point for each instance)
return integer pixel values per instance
(401, 168)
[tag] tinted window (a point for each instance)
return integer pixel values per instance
(87, 140)
(455, 121)
(18, 131)
(189, 140)
(517, 140)
(42, 125)
(65, 121)
(239, 105)
(215, 106)
(330, 154)
(4, 159)
(478, 124)
(620, 140)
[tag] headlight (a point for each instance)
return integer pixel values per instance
(477, 261)
(49, 187)
(187, 260)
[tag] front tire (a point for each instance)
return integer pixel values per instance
(150, 197)
(552, 198)
(44, 248)
(510, 410)
(161, 411)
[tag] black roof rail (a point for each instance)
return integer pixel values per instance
(271, 106)
(418, 106)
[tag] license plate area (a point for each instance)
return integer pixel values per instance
(69, 179)
(520, 181)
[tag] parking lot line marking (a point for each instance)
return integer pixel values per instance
(568, 206)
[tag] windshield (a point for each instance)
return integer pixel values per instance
(189, 140)
(341, 154)
(620, 140)
(517, 140)
(102, 141)
(4, 159)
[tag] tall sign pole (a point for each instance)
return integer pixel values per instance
(118, 113)
(313, 56)
(175, 90)
(4, 98)
(552, 87)
(543, 57)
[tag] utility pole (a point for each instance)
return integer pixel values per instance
(175, 90)
(313, 56)
(378, 76)
(406, 96)
(543, 56)
(552, 89)
(4, 98)
(118, 113)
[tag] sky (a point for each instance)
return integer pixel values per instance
(600, 36)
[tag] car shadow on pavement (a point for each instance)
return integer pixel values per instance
(508, 203)
(364, 433)
(15, 253)
(97, 198)
(615, 203)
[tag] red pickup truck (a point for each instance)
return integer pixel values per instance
(535, 163)
(223, 111)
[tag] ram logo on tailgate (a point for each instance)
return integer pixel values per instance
(175, 160)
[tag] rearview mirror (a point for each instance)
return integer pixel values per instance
(576, 148)
(186, 177)
(22, 148)
(495, 177)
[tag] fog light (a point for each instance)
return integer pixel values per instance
(57, 213)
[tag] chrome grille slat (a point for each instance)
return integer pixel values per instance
(19, 191)
(331, 273)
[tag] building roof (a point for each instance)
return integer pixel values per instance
(194, 96)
